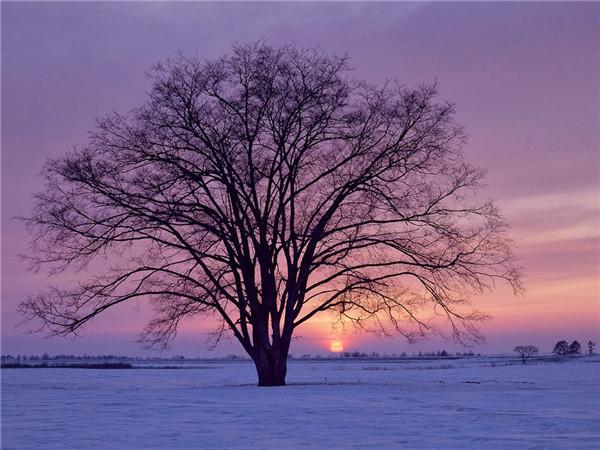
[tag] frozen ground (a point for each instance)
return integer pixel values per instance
(328, 405)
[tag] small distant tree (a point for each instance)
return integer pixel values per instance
(526, 351)
(561, 348)
(575, 348)
(591, 346)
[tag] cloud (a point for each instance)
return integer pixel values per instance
(555, 217)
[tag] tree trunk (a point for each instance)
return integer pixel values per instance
(271, 367)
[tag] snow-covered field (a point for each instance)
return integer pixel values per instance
(467, 404)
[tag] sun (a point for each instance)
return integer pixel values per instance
(336, 347)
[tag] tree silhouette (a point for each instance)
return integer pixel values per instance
(526, 351)
(261, 189)
(561, 348)
(575, 348)
(591, 346)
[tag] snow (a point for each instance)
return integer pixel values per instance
(474, 403)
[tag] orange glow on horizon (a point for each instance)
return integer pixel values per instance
(336, 347)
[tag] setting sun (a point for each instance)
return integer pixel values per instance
(336, 347)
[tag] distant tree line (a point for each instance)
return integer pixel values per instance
(109, 357)
(563, 348)
(62, 357)
(63, 365)
(420, 354)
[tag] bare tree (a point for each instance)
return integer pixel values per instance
(263, 188)
(526, 351)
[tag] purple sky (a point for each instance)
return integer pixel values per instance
(524, 77)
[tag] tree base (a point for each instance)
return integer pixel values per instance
(271, 371)
(273, 384)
